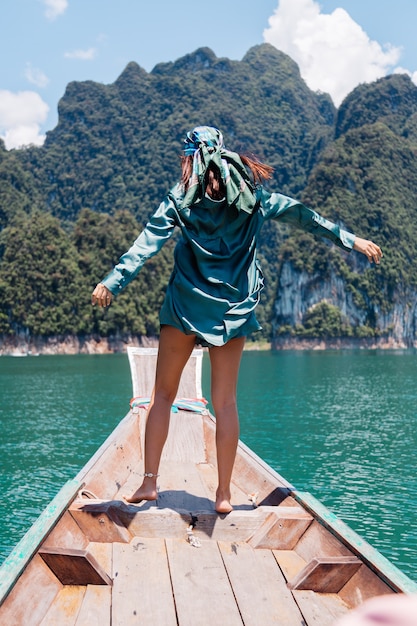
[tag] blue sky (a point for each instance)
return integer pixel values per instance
(45, 44)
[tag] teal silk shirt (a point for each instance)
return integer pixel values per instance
(216, 280)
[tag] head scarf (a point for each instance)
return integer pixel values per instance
(205, 144)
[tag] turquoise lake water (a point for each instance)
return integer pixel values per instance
(340, 424)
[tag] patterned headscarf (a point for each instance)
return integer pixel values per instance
(205, 144)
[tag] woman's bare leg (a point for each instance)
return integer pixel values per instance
(225, 362)
(174, 351)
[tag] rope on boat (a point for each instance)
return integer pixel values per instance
(195, 405)
(191, 538)
(86, 493)
(253, 497)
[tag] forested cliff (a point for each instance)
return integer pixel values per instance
(68, 209)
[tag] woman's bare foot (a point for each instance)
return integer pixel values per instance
(147, 491)
(223, 503)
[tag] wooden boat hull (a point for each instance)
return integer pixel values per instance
(280, 557)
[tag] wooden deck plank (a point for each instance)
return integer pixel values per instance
(142, 592)
(113, 463)
(96, 607)
(182, 488)
(184, 446)
(151, 521)
(289, 562)
(103, 554)
(239, 499)
(154, 522)
(132, 481)
(185, 441)
(202, 591)
(320, 609)
(236, 526)
(259, 586)
(65, 608)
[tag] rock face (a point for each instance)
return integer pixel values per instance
(366, 181)
(19, 345)
(299, 292)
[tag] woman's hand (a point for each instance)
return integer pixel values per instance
(369, 249)
(101, 296)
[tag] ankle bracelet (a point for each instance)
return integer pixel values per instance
(150, 475)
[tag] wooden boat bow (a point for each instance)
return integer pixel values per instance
(280, 557)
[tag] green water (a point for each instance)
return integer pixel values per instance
(342, 425)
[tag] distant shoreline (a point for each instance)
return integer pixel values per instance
(19, 347)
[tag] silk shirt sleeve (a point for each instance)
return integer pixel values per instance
(158, 230)
(279, 207)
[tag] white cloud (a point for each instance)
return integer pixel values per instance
(54, 8)
(82, 55)
(21, 116)
(333, 52)
(36, 76)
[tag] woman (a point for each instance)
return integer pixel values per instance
(220, 207)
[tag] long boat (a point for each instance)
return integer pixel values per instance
(280, 557)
